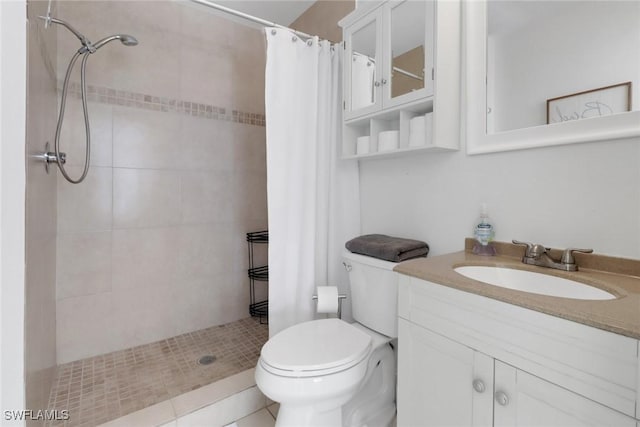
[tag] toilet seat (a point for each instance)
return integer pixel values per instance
(315, 348)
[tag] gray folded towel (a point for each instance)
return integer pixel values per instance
(394, 249)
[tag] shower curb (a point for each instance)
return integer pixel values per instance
(216, 404)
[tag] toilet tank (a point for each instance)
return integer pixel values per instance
(374, 293)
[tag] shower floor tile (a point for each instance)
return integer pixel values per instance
(101, 388)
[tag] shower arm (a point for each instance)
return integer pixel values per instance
(87, 46)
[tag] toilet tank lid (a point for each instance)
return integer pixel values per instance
(317, 345)
(370, 261)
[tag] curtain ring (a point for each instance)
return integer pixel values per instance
(294, 39)
(309, 42)
(273, 32)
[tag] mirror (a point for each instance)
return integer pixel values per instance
(542, 50)
(545, 73)
(407, 47)
(363, 67)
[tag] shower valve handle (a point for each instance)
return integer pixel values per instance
(50, 157)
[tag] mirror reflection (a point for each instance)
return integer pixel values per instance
(363, 67)
(407, 47)
(555, 61)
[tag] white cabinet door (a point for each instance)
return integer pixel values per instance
(441, 382)
(389, 57)
(408, 46)
(363, 66)
(522, 399)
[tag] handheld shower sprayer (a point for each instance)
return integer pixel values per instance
(125, 39)
(85, 50)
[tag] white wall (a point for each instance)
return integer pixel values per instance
(582, 195)
(12, 193)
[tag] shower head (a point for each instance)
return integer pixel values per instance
(125, 39)
(128, 40)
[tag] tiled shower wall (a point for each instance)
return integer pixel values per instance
(40, 307)
(152, 244)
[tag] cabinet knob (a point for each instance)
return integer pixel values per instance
(478, 385)
(376, 83)
(384, 81)
(502, 398)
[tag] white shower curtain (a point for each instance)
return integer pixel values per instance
(313, 197)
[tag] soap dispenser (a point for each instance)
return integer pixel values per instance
(483, 234)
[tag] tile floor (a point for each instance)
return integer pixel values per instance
(267, 418)
(263, 418)
(105, 387)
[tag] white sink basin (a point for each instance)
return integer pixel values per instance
(536, 283)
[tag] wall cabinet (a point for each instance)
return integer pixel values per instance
(401, 61)
(389, 57)
(500, 365)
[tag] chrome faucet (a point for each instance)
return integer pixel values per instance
(537, 254)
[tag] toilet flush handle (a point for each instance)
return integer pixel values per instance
(347, 266)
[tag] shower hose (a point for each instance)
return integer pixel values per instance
(63, 103)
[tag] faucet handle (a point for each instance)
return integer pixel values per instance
(527, 244)
(529, 251)
(532, 251)
(567, 255)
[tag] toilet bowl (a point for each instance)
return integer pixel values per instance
(329, 372)
(312, 369)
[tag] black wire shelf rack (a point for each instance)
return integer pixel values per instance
(257, 274)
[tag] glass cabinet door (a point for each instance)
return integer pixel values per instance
(363, 66)
(409, 48)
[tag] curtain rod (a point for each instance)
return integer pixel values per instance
(248, 17)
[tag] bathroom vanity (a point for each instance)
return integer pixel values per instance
(477, 354)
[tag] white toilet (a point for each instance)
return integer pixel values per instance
(331, 373)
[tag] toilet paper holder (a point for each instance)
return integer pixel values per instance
(340, 298)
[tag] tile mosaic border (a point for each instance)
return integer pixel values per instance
(106, 95)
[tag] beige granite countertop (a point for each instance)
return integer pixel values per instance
(618, 276)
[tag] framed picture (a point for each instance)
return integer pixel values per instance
(603, 101)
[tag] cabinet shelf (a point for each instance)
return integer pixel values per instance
(397, 153)
(420, 106)
(397, 118)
